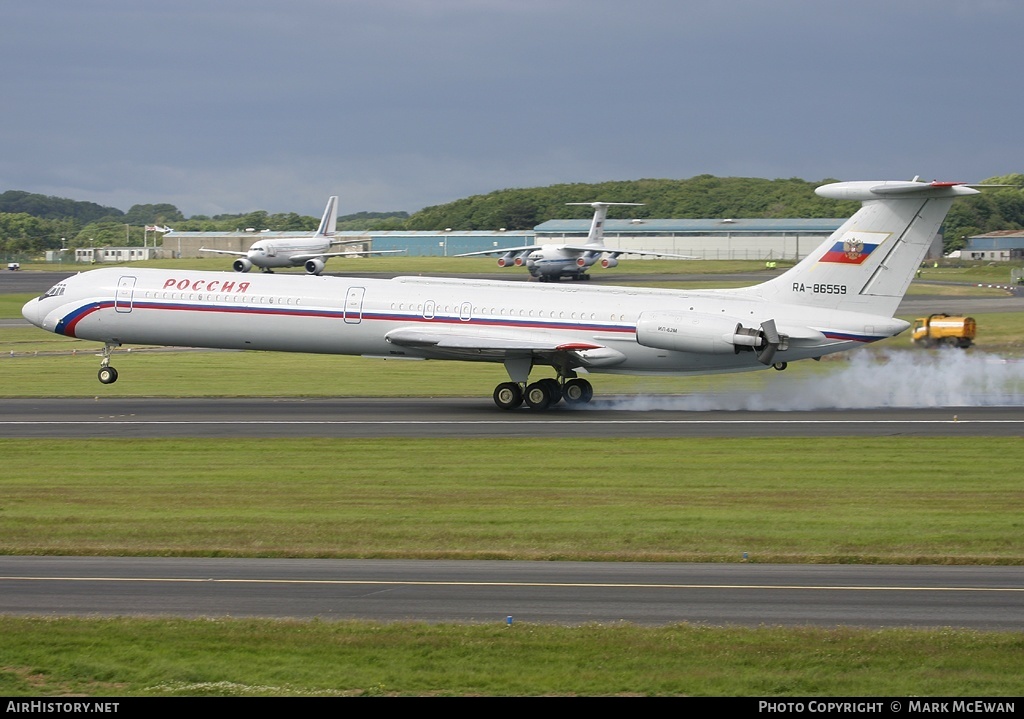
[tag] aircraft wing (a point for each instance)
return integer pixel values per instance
(224, 252)
(499, 251)
(615, 252)
(477, 342)
(349, 242)
(353, 253)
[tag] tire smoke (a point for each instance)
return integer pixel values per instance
(917, 379)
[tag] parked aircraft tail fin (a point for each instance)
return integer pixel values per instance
(596, 234)
(868, 263)
(329, 222)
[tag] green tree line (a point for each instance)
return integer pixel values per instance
(33, 223)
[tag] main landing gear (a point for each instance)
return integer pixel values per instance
(107, 374)
(543, 394)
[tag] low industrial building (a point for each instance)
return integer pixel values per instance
(998, 246)
(96, 255)
(415, 243)
(746, 239)
(705, 239)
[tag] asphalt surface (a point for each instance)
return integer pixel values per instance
(983, 598)
(467, 417)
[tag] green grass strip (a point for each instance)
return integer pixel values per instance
(875, 500)
(142, 657)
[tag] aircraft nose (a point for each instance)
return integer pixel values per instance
(32, 312)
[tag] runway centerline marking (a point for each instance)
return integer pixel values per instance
(529, 422)
(557, 585)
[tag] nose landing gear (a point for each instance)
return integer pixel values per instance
(107, 374)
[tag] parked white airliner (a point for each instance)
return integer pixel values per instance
(552, 262)
(841, 296)
(309, 252)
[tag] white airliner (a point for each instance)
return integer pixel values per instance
(309, 252)
(843, 295)
(550, 263)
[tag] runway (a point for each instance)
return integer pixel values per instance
(982, 598)
(467, 417)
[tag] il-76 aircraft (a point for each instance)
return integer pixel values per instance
(552, 262)
(310, 252)
(841, 296)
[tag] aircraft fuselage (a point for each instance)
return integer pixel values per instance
(353, 316)
(267, 255)
(554, 262)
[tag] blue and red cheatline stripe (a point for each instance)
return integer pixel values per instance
(848, 337)
(66, 326)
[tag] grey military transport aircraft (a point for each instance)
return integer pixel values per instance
(552, 262)
(843, 295)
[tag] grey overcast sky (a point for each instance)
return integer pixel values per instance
(237, 105)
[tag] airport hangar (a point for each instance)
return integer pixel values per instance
(708, 239)
(999, 246)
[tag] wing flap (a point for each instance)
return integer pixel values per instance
(615, 251)
(500, 251)
(473, 343)
(509, 340)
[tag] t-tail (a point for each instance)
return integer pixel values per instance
(868, 263)
(596, 234)
(329, 221)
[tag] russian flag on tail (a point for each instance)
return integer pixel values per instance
(854, 248)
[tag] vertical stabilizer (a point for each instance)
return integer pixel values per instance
(596, 234)
(329, 221)
(868, 263)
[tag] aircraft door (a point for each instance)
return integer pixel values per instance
(125, 295)
(354, 305)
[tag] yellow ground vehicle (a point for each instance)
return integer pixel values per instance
(942, 329)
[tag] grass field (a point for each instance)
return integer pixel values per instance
(233, 657)
(656, 499)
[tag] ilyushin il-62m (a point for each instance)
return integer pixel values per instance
(841, 296)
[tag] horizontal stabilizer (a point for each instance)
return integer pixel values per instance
(893, 189)
(595, 205)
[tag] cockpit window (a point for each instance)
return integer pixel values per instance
(55, 291)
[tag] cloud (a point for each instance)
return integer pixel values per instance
(406, 103)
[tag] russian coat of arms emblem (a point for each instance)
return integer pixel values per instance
(853, 249)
